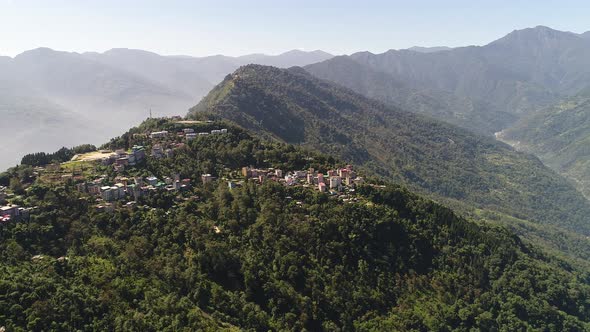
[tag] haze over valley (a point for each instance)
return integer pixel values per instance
(51, 99)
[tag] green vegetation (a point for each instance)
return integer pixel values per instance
(270, 257)
(62, 155)
(455, 165)
(560, 136)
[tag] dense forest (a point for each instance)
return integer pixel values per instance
(266, 256)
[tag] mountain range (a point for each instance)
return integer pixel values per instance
(428, 155)
(52, 98)
(502, 81)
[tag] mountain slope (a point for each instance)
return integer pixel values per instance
(266, 256)
(293, 106)
(560, 136)
(461, 111)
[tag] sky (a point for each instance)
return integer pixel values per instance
(203, 27)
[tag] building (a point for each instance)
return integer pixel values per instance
(159, 134)
(134, 190)
(131, 159)
(115, 193)
(188, 130)
(299, 174)
(122, 161)
(121, 190)
(348, 181)
(191, 136)
(289, 180)
(320, 178)
(157, 151)
(108, 207)
(343, 173)
(335, 182)
(138, 152)
(223, 131)
(206, 178)
(107, 194)
(246, 172)
(152, 180)
(11, 211)
(93, 188)
(322, 187)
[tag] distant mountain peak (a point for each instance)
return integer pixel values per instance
(42, 52)
(539, 33)
(299, 52)
(38, 50)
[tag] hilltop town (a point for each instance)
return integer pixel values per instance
(117, 177)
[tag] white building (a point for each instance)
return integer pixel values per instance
(159, 134)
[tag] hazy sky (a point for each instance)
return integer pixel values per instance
(252, 26)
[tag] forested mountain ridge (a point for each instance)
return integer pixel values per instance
(294, 107)
(262, 257)
(559, 135)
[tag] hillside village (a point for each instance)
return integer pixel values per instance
(89, 173)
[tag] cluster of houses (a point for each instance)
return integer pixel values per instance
(133, 188)
(333, 181)
(188, 133)
(121, 158)
(162, 150)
